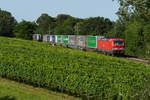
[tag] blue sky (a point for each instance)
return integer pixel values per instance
(30, 10)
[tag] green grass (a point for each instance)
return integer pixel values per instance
(10, 90)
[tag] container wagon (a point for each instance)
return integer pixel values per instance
(81, 42)
(72, 41)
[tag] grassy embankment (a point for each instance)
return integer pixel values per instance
(11, 90)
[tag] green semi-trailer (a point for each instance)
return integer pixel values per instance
(92, 41)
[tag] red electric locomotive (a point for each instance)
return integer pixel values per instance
(113, 46)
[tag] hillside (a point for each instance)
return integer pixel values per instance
(78, 73)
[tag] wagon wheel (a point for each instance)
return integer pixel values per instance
(53, 44)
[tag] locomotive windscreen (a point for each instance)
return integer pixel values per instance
(118, 42)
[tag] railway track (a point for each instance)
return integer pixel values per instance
(144, 61)
(131, 58)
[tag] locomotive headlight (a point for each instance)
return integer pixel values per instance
(121, 48)
(114, 48)
(117, 48)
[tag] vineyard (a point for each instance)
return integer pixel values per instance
(86, 74)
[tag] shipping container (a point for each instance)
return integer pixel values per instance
(81, 41)
(50, 38)
(72, 40)
(46, 38)
(65, 39)
(36, 37)
(91, 41)
(53, 38)
(59, 39)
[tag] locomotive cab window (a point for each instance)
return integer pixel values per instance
(118, 42)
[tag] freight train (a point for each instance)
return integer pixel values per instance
(111, 46)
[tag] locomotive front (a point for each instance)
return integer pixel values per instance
(118, 46)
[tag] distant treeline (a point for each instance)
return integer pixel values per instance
(61, 24)
(133, 25)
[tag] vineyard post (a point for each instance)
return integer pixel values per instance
(88, 82)
(62, 82)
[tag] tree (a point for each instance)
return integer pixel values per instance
(136, 19)
(94, 26)
(140, 8)
(46, 24)
(61, 18)
(7, 23)
(67, 26)
(25, 30)
(118, 29)
(147, 39)
(134, 39)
